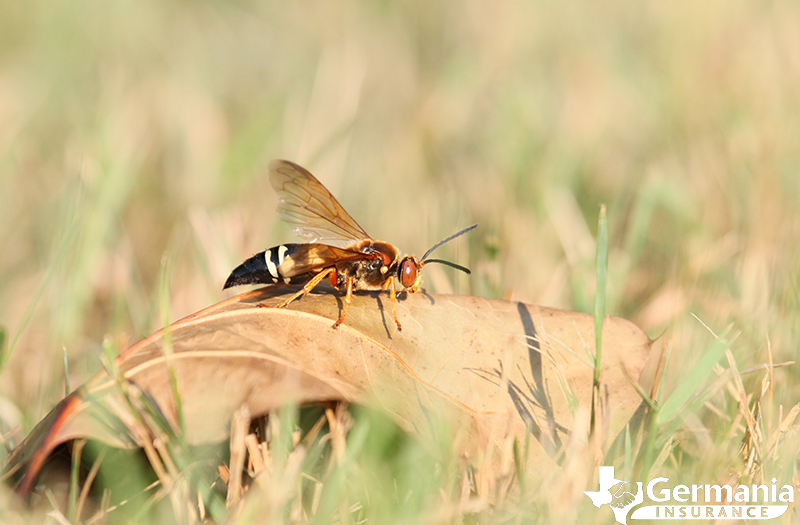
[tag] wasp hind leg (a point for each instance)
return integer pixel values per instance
(303, 291)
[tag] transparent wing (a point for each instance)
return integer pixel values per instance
(312, 258)
(309, 208)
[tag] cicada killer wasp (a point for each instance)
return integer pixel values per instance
(352, 260)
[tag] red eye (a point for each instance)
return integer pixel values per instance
(408, 272)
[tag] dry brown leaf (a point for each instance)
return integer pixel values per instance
(490, 367)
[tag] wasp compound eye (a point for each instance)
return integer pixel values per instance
(408, 272)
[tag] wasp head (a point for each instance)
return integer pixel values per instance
(409, 271)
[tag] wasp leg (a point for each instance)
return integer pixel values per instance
(307, 288)
(346, 301)
(389, 283)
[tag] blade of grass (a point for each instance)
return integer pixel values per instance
(165, 321)
(74, 479)
(239, 426)
(87, 484)
(649, 447)
(337, 480)
(694, 405)
(282, 424)
(66, 244)
(521, 455)
(692, 381)
(599, 307)
(744, 408)
(569, 395)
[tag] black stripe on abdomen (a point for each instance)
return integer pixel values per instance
(261, 268)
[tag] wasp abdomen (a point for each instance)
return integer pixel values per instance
(262, 268)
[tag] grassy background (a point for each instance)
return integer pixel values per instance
(135, 131)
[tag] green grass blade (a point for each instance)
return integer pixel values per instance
(74, 479)
(27, 316)
(599, 305)
(698, 401)
(696, 376)
(165, 322)
(600, 294)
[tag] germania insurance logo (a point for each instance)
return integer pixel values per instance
(684, 502)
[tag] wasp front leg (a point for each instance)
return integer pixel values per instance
(389, 283)
(347, 299)
(303, 291)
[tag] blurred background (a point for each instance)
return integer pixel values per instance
(134, 140)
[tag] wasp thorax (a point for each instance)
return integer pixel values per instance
(409, 269)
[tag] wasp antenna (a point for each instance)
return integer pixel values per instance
(450, 264)
(462, 232)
